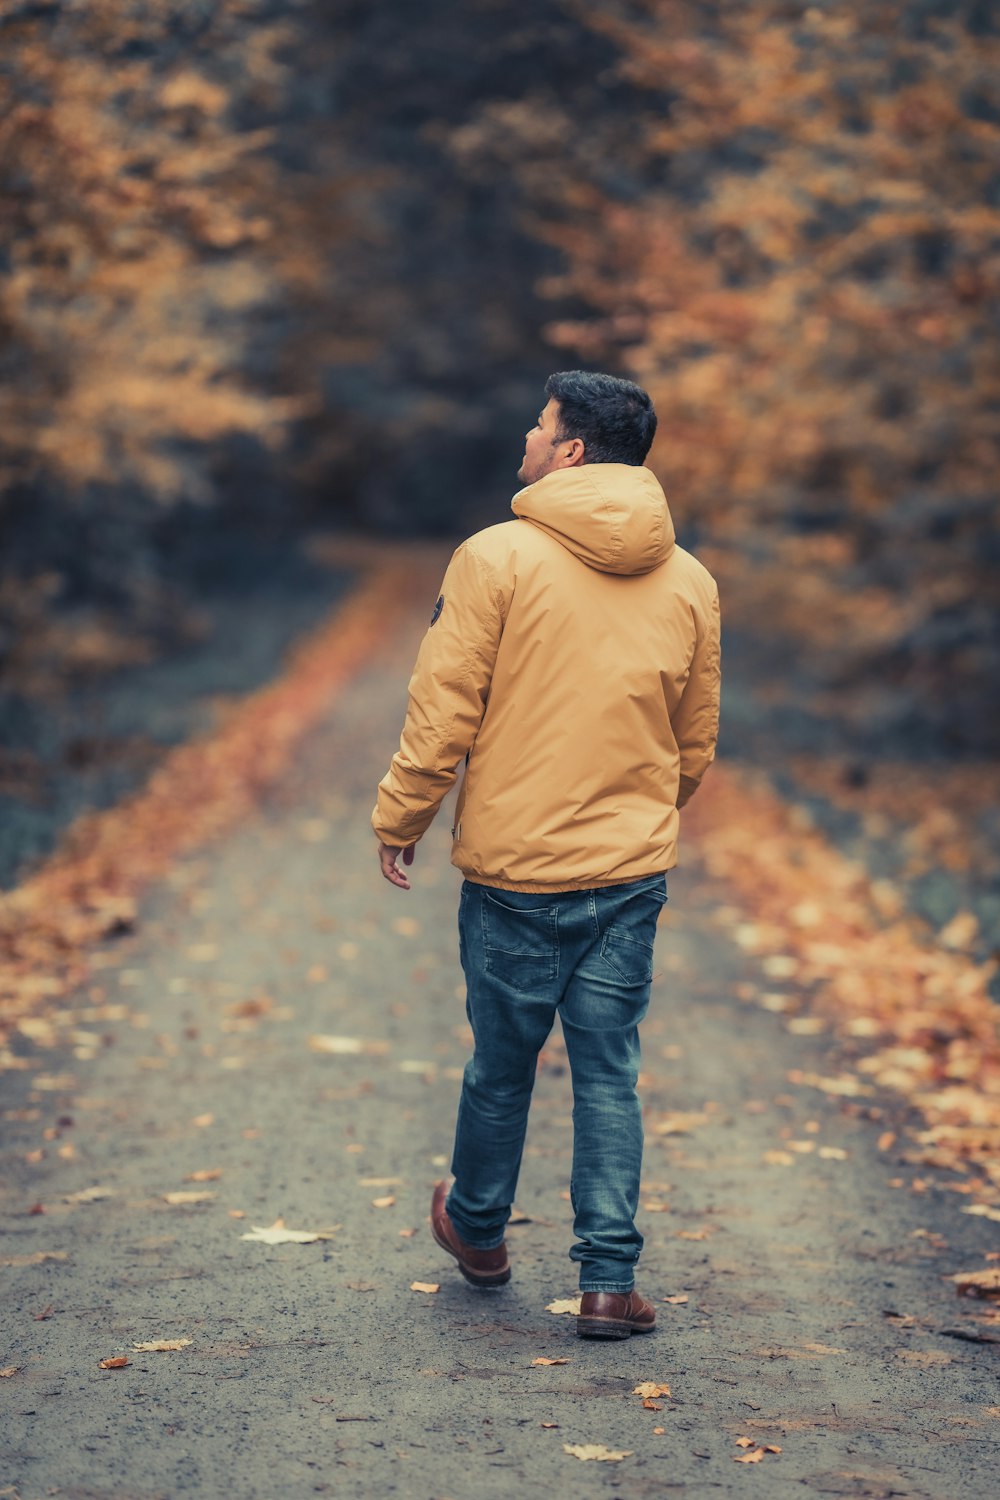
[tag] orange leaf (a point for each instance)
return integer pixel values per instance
(117, 1363)
(425, 1286)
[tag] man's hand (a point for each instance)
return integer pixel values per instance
(387, 857)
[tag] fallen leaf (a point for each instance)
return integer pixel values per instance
(822, 1348)
(203, 953)
(750, 1458)
(771, 1448)
(117, 1363)
(982, 1211)
(346, 1046)
(36, 1258)
(13, 1369)
(694, 1234)
(924, 1356)
(886, 1140)
(650, 1388)
(541, 1360)
(237, 1213)
(277, 1234)
(778, 1158)
(425, 1286)
(161, 1346)
(653, 1405)
(192, 1196)
(598, 1451)
(744, 1442)
(675, 1301)
(46, 1312)
(380, 1181)
(90, 1195)
(549, 1426)
(832, 1153)
(407, 1234)
(564, 1305)
(203, 1121)
(961, 931)
(383, 1202)
(977, 1283)
(677, 1122)
(206, 1174)
(659, 1431)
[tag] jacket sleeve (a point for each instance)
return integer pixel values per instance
(696, 719)
(447, 699)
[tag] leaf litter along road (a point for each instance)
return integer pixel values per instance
(805, 1307)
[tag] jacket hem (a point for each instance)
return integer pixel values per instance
(537, 888)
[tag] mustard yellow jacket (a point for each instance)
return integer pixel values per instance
(573, 662)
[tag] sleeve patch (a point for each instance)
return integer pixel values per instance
(439, 606)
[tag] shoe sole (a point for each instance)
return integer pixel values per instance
(609, 1328)
(474, 1278)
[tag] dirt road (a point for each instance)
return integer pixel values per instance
(283, 1037)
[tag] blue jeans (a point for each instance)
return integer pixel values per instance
(589, 956)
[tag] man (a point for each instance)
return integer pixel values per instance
(572, 661)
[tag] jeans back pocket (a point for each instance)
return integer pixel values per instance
(627, 946)
(521, 946)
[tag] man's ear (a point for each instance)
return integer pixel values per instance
(572, 453)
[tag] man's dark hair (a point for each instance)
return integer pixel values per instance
(614, 418)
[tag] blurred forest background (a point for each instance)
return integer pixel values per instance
(272, 268)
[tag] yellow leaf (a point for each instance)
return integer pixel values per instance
(386, 1202)
(564, 1305)
(675, 1301)
(277, 1234)
(206, 1174)
(161, 1346)
(650, 1388)
(596, 1450)
(750, 1458)
(744, 1442)
(425, 1286)
(189, 1197)
(541, 1360)
(117, 1363)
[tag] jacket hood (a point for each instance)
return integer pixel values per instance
(613, 517)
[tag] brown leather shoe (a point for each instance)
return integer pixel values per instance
(480, 1267)
(614, 1315)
